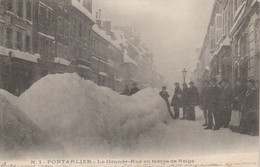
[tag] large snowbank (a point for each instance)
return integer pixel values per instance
(18, 133)
(88, 117)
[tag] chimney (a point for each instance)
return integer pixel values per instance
(98, 22)
(100, 14)
(107, 26)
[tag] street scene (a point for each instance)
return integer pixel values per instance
(129, 79)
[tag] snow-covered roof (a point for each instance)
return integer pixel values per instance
(81, 8)
(128, 59)
(4, 51)
(60, 60)
(19, 54)
(102, 73)
(106, 37)
(82, 66)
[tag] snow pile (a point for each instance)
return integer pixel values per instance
(18, 133)
(80, 114)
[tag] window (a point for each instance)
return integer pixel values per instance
(10, 5)
(41, 46)
(9, 36)
(28, 43)
(74, 23)
(19, 41)
(60, 26)
(29, 10)
(60, 48)
(80, 29)
(49, 17)
(20, 8)
(47, 47)
(65, 52)
(66, 28)
(42, 14)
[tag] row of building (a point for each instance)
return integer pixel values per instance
(231, 46)
(40, 37)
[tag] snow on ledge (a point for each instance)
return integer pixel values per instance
(62, 61)
(82, 9)
(128, 59)
(102, 73)
(19, 54)
(82, 66)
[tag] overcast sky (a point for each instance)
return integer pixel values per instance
(172, 29)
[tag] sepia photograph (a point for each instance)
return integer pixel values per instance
(129, 83)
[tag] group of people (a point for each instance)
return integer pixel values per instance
(186, 98)
(129, 92)
(220, 102)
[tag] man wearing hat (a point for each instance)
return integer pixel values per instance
(176, 100)
(250, 113)
(193, 101)
(213, 102)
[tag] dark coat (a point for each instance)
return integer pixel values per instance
(227, 96)
(165, 95)
(185, 96)
(126, 91)
(238, 97)
(194, 96)
(251, 99)
(176, 99)
(204, 98)
(214, 93)
(134, 90)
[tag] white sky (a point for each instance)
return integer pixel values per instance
(172, 29)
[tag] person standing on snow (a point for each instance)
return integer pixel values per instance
(250, 112)
(227, 101)
(193, 101)
(176, 100)
(213, 101)
(164, 94)
(204, 101)
(185, 100)
(134, 90)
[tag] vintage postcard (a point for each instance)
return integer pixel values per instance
(129, 83)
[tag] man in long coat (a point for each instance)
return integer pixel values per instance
(250, 112)
(213, 101)
(185, 100)
(193, 101)
(227, 101)
(176, 100)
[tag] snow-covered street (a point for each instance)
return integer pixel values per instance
(88, 120)
(188, 138)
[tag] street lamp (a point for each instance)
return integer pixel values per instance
(184, 72)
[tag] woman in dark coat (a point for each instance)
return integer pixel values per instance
(250, 110)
